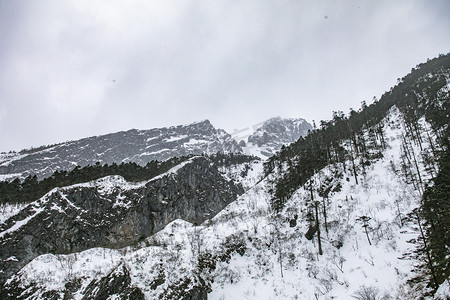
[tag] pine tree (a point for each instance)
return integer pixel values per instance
(435, 209)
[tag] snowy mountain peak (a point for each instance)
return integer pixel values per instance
(357, 209)
(274, 133)
(139, 146)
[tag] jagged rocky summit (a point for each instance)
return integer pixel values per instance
(143, 146)
(273, 134)
(340, 211)
(139, 146)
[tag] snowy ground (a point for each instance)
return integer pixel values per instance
(9, 210)
(278, 262)
(338, 273)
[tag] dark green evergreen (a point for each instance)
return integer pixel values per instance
(422, 93)
(433, 217)
(415, 95)
(31, 189)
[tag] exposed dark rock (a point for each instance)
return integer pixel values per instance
(276, 132)
(117, 282)
(107, 213)
(311, 231)
(15, 290)
(52, 295)
(71, 288)
(139, 146)
(293, 221)
(187, 289)
(160, 279)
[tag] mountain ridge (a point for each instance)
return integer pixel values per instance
(275, 133)
(327, 217)
(134, 145)
(112, 212)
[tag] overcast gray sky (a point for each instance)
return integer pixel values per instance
(76, 68)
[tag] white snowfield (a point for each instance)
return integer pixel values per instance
(279, 261)
(280, 131)
(9, 210)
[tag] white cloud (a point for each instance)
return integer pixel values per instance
(78, 68)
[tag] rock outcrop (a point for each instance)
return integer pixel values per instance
(113, 213)
(139, 146)
(276, 132)
(117, 283)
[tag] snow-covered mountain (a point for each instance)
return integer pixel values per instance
(337, 215)
(248, 252)
(273, 134)
(139, 146)
(112, 212)
(143, 146)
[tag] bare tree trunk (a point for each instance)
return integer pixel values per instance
(354, 168)
(399, 212)
(316, 206)
(380, 131)
(367, 233)
(318, 228)
(281, 261)
(408, 157)
(325, 215)
(418, 171)
(277, 239)
(412, 155)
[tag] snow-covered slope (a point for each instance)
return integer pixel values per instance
(248, 252)
(112, 212)
(331, 216)
(282, 263)
(139, 146)
(273, 134)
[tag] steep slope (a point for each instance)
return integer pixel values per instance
(422, 93)
(111, 212)
(283, 259)
(335, 215)
(139, 146)
(249, 252)
(422, 99)
(275, 133)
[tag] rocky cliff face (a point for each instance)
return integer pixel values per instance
(115, 285)
(274, 133)
(341, 229)
(112, 213)
(139, 146)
